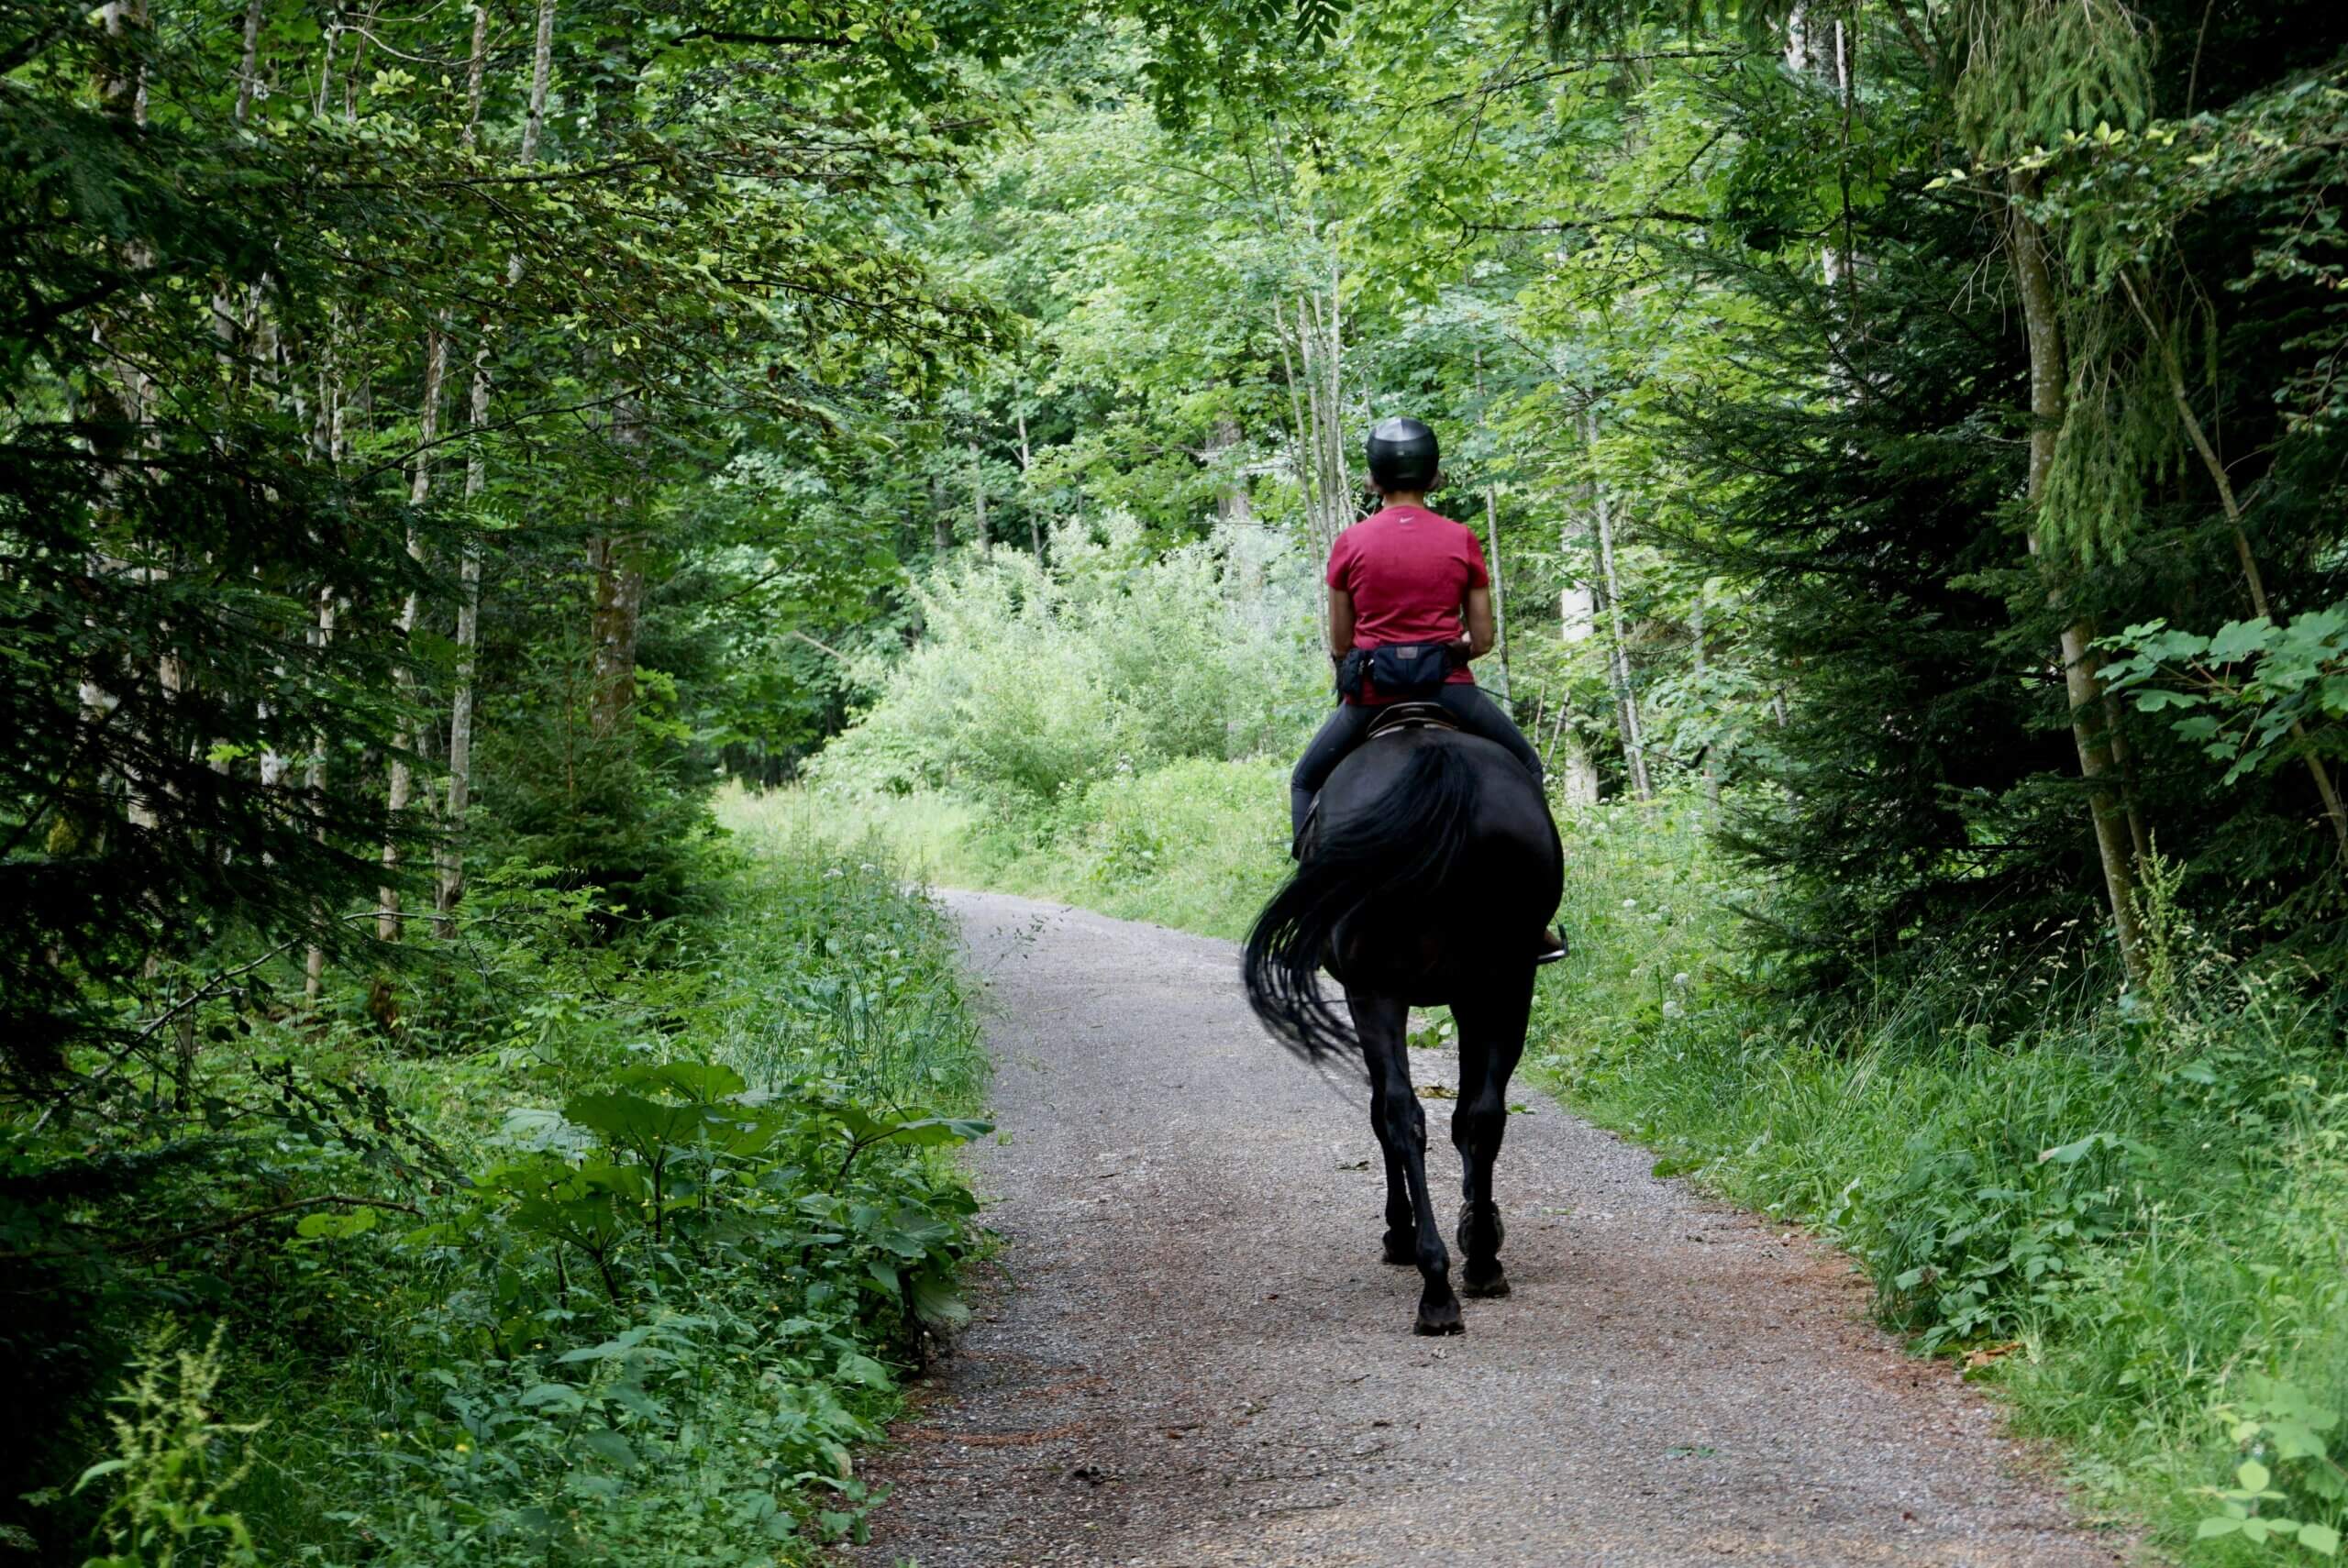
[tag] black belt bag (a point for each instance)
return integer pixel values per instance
(1399, 671)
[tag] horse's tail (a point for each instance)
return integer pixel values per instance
(1386, 860)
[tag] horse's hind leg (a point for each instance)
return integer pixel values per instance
(1401, 1131)
(1401, 1243)
(1491, 1041)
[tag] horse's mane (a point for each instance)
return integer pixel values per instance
(1381, 861)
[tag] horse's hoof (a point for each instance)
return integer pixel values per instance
(1443, 1320)
(1489, 1288)
(1402, 1249)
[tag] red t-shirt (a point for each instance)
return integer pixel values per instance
(1409, 571)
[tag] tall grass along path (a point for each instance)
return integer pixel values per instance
(1191, 1353)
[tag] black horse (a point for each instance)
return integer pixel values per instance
(1430, 865)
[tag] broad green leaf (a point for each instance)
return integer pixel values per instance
(608, 1445)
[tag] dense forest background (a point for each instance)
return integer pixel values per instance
(444, 447)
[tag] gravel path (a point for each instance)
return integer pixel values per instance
(1189, 1353)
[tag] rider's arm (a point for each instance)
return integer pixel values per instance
(1476, 613)
(1341, 622)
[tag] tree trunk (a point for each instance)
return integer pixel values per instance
(1321, 469)
(979, 501)
(941, 521)
(314, 784)
(1626, 697)
(2049, 377)
(1027, 501)
(1577, 623)
(402, 779)
(1711, 773)
(460, 704)
(617, 559)
(246, 78)
(1231, 503)
(1500, 587)
(1492, 542)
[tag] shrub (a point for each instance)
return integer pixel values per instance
(1031, 682)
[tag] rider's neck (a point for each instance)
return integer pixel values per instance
(1417, 498)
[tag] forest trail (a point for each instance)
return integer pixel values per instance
(1190, 1355)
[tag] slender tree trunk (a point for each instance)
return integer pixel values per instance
(1305, 465)
(1577, 623)
(1231, 503)
(616, 556)
(979, 501)
(451, 861)
(1027, 500)
(410, 741)
(314, 784)
(941, 521)
(247, 67)
(2049, 377)
(617, 559)
(1500, 574)
(1626, 697)
(460, 704)
(1711, 773)
(1321, 417)
(1500, 585)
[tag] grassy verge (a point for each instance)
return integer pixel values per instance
(2129, 1220)
(609, 1251)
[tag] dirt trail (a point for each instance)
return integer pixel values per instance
(1191, 1354)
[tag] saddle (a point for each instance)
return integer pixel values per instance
(1395, 717)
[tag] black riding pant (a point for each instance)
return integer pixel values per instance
(1468, 707)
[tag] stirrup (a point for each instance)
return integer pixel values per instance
(1550, 955)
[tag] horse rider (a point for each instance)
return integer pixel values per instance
(1410, 604)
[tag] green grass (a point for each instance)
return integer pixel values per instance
(2132, 1221)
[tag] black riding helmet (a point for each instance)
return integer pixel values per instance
(1402, 455)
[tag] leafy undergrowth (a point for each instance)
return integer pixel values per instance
(608, 1254)
(1198, 844)
(2128, 1216)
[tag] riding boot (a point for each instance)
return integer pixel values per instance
(1299, 811)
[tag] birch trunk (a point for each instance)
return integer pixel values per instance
(1321, 468)
(451, 867)
(1492, 537)
(1499, 586)
(1626, 698)
(313, 785)
(2049, 374)
(403, 779)
(1577, 623)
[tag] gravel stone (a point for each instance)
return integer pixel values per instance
(1187, 1353)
